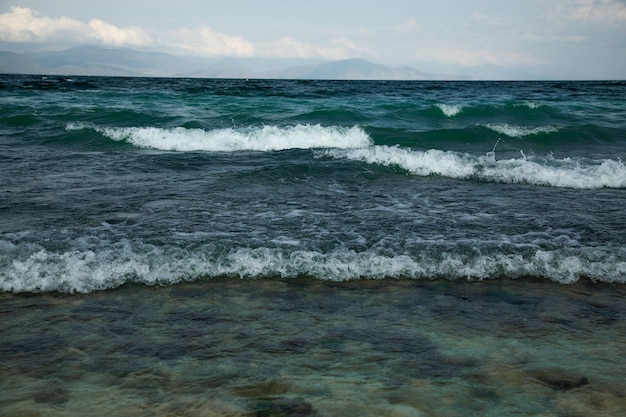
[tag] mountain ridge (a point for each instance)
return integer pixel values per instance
(94, 60)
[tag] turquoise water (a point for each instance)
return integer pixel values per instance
(270, 247)
(299, 347)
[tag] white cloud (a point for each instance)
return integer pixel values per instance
(478, 16)
(351, 48)
(410, 26)
(22, 24)
(25, 25)
(468, 56)
(112, 35)
(289, 47)
(205, 41)
(286, 47)
(553, 38)
(595, 11)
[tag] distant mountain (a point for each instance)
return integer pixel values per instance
(353, 69)
(92, 60)
(12, 63)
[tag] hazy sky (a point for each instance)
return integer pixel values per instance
(554, 38)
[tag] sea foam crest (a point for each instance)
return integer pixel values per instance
(547, 171)
(520, 131)
(531, 105)
(450, 110)
(266, 138)
(36, 269)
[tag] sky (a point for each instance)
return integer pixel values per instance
(566, 39)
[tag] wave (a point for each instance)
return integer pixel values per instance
(533, 105)
(520, 131)
(266, 138)
(354, 143)
(450, 110)
(534, 170)
(33, 268)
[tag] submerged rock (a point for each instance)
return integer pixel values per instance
(52, 395)
(560, 380)
(282, 407)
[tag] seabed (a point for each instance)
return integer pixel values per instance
(306, 347)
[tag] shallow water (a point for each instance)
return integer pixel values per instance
(307, 347)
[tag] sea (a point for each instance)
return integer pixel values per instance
(250, 247)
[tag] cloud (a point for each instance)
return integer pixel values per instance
(289, 47)
(351, 48)
(554, 38)
(112, 35)
(468, 56)
(22, 24)
(593, 11)
(205, 41)
(410, 26)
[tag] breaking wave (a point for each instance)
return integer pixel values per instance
(520, 131)
(266, 138)
(534, 170)
(35, 269)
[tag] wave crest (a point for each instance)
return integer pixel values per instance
(36, 269)
(450, 110)
(266, 138)
(520, 131)
(547, 171)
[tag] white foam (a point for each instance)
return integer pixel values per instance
(520, 131)
(36, 269)
(266, 138)
(548, 171)
(424, 163)
(450, 110)
(531, 105)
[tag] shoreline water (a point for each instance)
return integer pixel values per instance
(310, 347)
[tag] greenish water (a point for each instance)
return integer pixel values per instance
(189, 247)
(108, 181)
(301, 347)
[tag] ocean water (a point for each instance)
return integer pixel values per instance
(282, 247)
